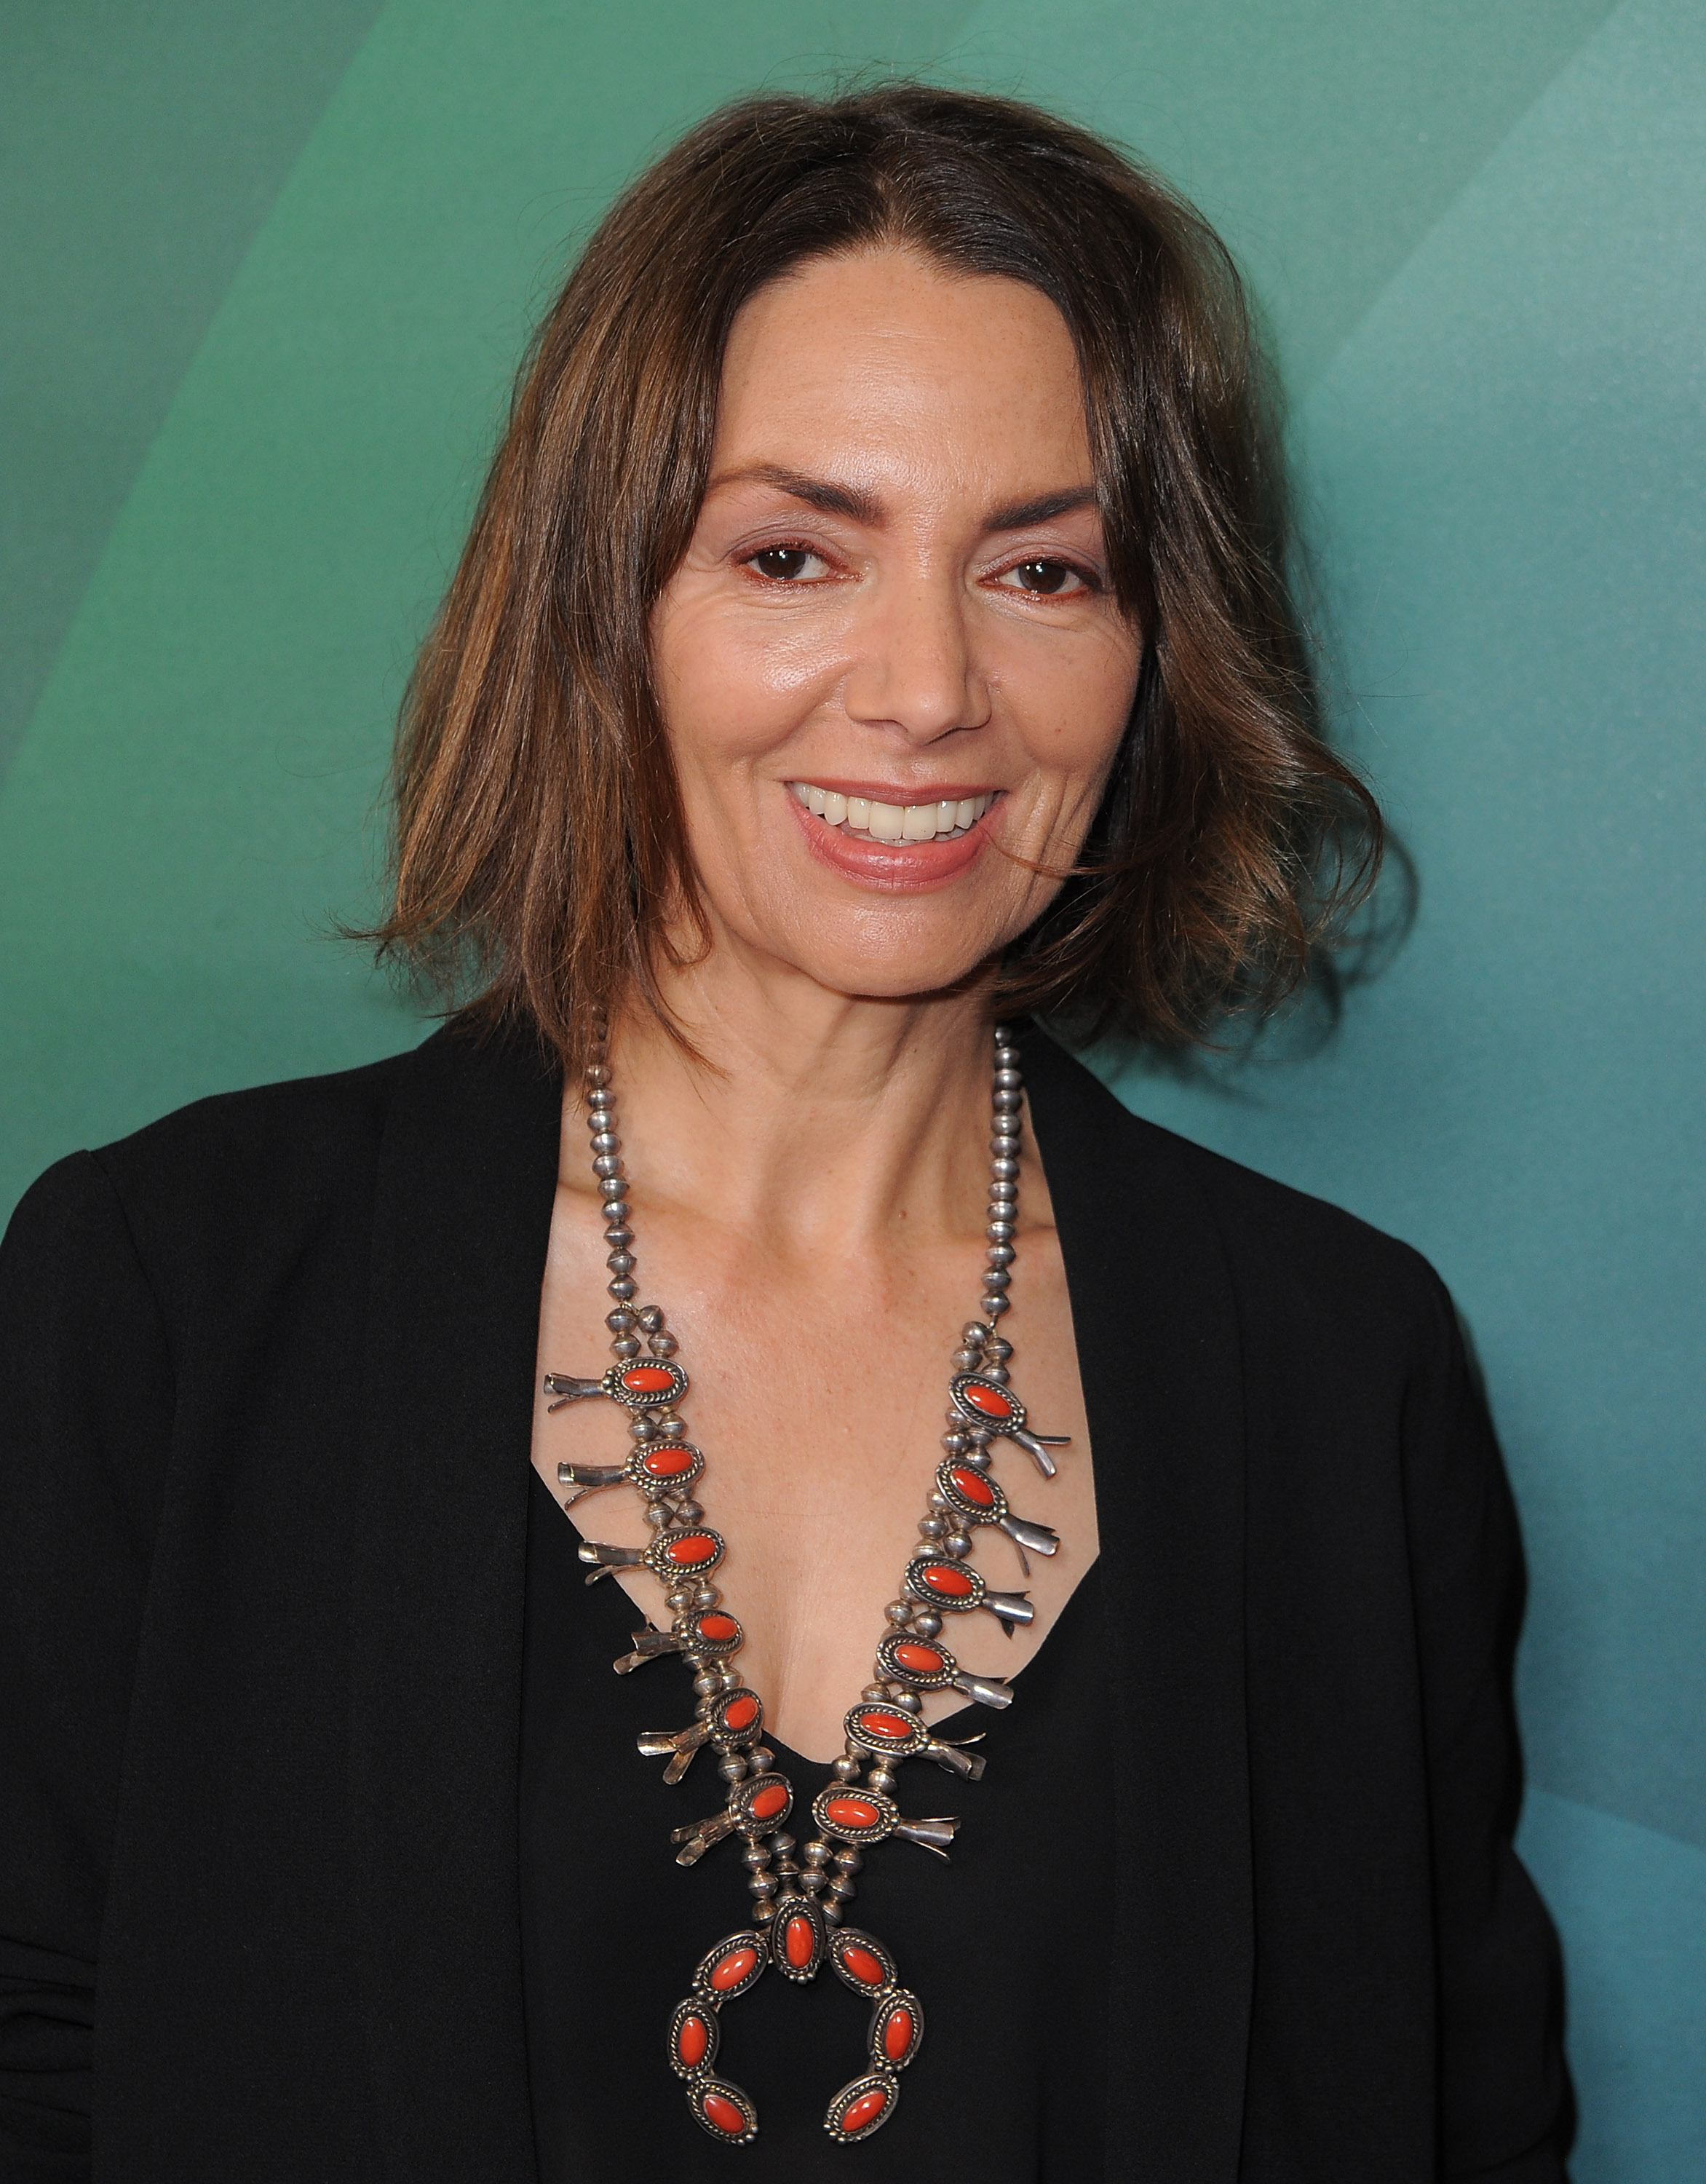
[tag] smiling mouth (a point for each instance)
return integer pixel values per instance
(865, 818)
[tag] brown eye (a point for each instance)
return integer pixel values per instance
(782, 563)
(1046, 578)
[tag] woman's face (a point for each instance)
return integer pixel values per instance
(891, 652)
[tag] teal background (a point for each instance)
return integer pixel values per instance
(265, 266)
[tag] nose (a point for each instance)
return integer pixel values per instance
(915, 668)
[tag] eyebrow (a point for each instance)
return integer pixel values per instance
(862, 507)
(816, 492)
(1021, 514)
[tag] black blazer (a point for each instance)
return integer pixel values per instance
(266, 1398)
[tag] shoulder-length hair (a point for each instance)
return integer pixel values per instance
(540, 865)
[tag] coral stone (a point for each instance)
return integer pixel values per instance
(741, 1713)
(865, 1967)
(896, 2035)
(719, 1629)
(692, 2041)
(719, 2110)
(972, 1487)
(648, 1379)
(949, 1580)
(852, 1812)
(799, 1942)
(922, 1660)
(668, 1462)
(865, 2110)
(990, 1400)
(730, 1970)
(691, 1549)
(764, 1804)
(876, 1722)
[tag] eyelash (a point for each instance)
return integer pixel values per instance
(1087, 577)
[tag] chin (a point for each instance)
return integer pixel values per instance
(902, 985)
(901, 966)
(868, 943)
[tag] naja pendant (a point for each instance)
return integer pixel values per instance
(797, 1943)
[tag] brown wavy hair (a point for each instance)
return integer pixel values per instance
(540, 865)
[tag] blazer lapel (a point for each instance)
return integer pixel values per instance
(467, 1171)
(1154, 1317)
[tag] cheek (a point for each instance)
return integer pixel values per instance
(734, 683)
(1072, 704)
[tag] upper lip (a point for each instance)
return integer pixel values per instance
(923, 792)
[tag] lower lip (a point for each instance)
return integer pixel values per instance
(903, 867)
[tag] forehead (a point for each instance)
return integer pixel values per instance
(851, 366)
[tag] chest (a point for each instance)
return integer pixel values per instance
(819, 1395)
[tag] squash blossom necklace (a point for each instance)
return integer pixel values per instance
(796, 1919)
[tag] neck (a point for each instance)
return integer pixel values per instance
(816, 1120)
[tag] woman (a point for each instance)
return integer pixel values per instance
(872, 638)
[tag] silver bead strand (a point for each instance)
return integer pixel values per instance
(981, 1349)
(627, 1321)
(612, 1189)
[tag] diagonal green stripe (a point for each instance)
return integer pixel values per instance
(1324, 138)
(141, 150)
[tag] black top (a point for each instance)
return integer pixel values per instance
(266, 1401)
(1006, 1947)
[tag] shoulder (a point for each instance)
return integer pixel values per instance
(1295, 1261)
(313, 1132)
(1266, 1223)
(1318, 1288)
(219, 1188)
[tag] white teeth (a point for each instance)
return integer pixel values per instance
(892, 822)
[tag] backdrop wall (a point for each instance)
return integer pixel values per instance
(266, 270)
